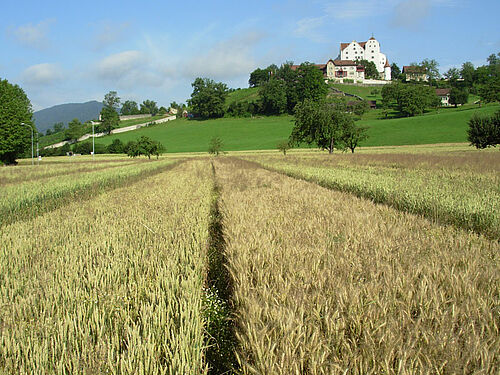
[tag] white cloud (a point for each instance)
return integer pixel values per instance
(35, 36)
(307, 28)
(351, 9)
(119, 65)
(128, 69)
(109, 33)
(226, 60)
(42, 74)
(410, 13)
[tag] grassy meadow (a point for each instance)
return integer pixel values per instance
(385, 261)
(263, 133)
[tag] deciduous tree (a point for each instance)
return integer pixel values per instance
(320, 123)
(15, 109)
(458, 96)
(208, 98)
(149, 107)
(74, 131)
(130, 108)
(370, 69)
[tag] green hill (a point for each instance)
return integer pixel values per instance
(183, 135)
(250, 95)
(259, 133)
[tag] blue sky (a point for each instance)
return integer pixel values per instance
(78, 51)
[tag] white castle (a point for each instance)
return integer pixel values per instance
(369, 50)
(346, 67)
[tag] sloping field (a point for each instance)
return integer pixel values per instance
(227, 265)
(264, 133)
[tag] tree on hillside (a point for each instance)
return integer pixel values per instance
(208, 98)
(149, 107)
(273, 97)
(109, 115)
(215, 146)
(310, 83)
(74, 131)
(452, 75)
(112, 100)
(289, 77)
(130, 108)
(258, 77)
(395, 72)
(15, 109)
(320, 123)
(371, 71)
(467, 73)
(431, 68)
(490, 91)
(58, 127)
(458, 96)
(409, 99)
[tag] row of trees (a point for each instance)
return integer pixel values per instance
(131, 107)
(483, 80)
(409, 100)
(143, 146)
(281, 89)
(327, 125)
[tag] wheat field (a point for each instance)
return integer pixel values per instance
(377, 263)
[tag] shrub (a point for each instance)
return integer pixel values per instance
(484, 132)
(283, 146)
(116, 147)
(215, 146)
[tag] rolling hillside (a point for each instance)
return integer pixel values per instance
(259, 133)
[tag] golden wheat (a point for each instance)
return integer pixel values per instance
(110, 285)
(327, 283)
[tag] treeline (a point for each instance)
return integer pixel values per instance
(483, 81)
(143, 146)
(110, 116)
(281, 89)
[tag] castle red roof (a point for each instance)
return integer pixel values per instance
(414, 69)
(345, 63)
(344, 45)
(443, 92)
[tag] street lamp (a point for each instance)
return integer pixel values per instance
(32, 161)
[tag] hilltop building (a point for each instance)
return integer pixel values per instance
(346, 67)
(370, 51)
(335, 70)
(415, 73)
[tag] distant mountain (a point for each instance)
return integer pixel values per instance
(46, 118)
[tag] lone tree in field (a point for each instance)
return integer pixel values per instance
(484, 132)
(215, 146)
(145, 146)
(352, 135)
(15, 109)
(321, 123)
(283, 146)
(208, 98)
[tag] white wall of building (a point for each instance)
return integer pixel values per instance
(369, 51)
